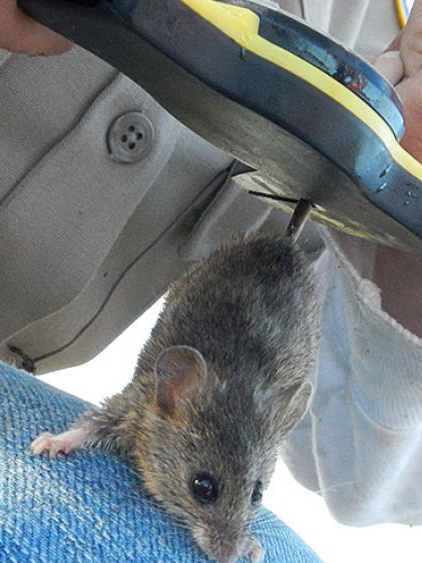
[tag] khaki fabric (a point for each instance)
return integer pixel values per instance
(88, 243)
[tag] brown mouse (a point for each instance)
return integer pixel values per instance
(222, 379)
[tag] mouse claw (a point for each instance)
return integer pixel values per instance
(41, 443)
(62, 443)
(256, 551)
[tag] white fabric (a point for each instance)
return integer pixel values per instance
(360, 444)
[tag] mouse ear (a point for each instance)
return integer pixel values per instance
(179, 371)
(296, 407)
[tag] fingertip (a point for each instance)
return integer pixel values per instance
(390, 65)
(22, 34)
(42, 41)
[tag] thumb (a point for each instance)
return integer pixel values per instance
(390, 65)
(21, 34)
(410, 91)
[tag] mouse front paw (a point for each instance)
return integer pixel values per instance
(61, 443)
(256, 552)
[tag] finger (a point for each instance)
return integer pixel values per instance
(410, 91)
(411, 41)
(390, 65)
(21, 34)
(416, 10)
(395, 43)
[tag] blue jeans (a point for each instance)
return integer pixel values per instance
(89, 506)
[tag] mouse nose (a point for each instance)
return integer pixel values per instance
(226, 545)
(230, 552)
(230, 558)
(249, 547)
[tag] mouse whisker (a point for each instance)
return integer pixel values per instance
(267, 520)
(157, 506)
(338, 485)
(264, 522)
(268, 530)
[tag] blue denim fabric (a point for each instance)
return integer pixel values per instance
(89, 506)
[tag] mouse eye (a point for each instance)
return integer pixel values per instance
(257, 493)
(204, 487)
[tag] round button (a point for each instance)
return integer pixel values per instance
(130, 137)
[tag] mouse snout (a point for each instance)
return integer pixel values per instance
(222, 545)
(228, 553)
(228, 559)
(249, 547)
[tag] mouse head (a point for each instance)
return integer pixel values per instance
(214, 450)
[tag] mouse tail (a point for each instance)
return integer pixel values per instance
(298, 221)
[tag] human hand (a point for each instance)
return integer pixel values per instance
(397, 273)
(409, 44)
(21, 34)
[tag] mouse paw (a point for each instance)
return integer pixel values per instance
(256, 552)
(61, 443)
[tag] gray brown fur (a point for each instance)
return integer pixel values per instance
(250, 310)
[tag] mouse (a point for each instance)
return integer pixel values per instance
(225, 375)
